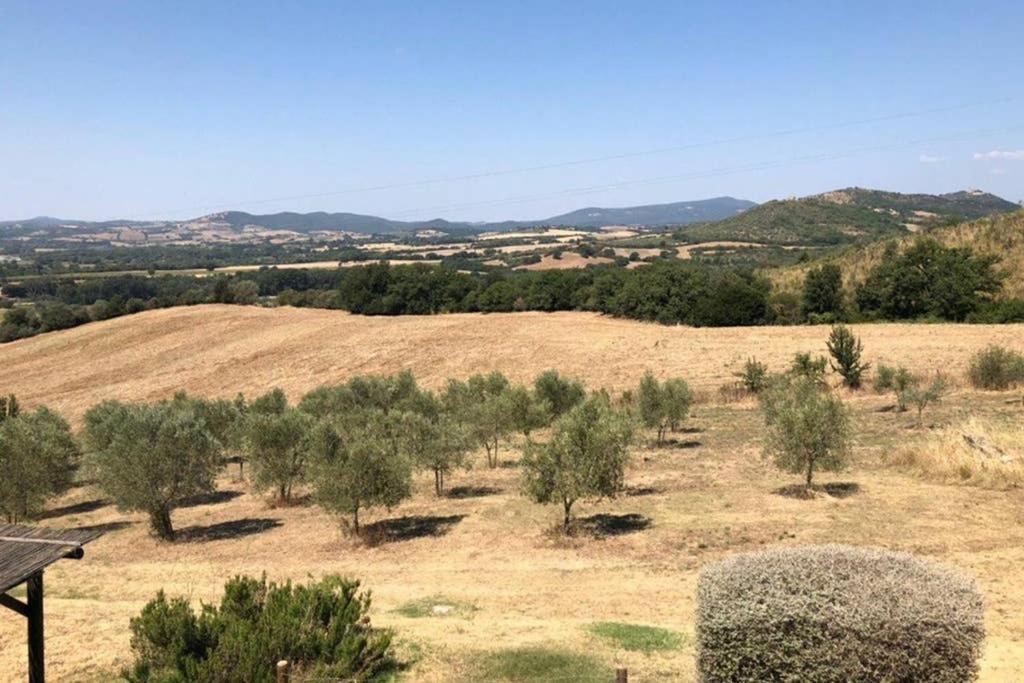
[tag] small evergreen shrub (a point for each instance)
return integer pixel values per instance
(322, 628)
(837, 613)
(996, 368)
(811, 367)
(754, 376)
(846, 349)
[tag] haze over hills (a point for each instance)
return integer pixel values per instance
(849, 215)
(844, 216)
(651, 215)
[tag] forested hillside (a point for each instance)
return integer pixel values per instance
(848, 216)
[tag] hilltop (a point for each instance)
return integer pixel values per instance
(849, 215)
(1001, 235)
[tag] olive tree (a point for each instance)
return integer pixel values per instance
(585, 458)
(920, 395)
(149, 457)
(278, 450)
(9, 406)
(526, 411)
(559, 393)
(663, 406)
(355, 466)
(38, 457)
(483, 405)
(439, 445)
(808, 427)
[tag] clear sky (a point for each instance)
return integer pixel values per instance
(175, 109)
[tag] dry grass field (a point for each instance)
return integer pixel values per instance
(485, 549)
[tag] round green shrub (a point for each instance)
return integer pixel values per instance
(837, 613)
(996, 368)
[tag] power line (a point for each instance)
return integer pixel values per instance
(589, 160)
(712, 173)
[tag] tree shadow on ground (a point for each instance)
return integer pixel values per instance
(604, 526)
(634, 491)
(691, 430)
(211, 498)
(686, 444)
(835, 489)
(104, 528)
(508, 464)
(471, 491)
(75, 508)
(408, 528)
(236, 528)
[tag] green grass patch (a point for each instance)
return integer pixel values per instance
(638, 638)
(436, 606)
(540, 664)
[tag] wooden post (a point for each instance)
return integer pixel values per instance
(282, 671)
(622, 675)
(36, 658)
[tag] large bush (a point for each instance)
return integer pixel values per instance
(322, 628)
(836, 613)
(996, 368)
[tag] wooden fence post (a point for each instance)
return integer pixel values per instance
(622, 675)
(282, 671)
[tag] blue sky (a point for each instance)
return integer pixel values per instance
(157, 109)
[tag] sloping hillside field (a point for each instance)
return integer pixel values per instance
(479, 578)
(219, 350)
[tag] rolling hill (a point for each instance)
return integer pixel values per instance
(1002, 235)
(220, 350)
(848, 216)
(676, 213)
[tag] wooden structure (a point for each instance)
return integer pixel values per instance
(25, 552)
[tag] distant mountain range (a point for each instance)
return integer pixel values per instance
(850, 215)
(652, 215)
(838, 217)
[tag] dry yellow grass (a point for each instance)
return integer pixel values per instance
(568, 260)
(988, 453)
(220, 350)
(708, 496)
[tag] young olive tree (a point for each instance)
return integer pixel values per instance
(663, 406)
(439, 445)
(278, 450)
(149, 457)
(482, 404)
(356, 466)
(585, 458)
(38, 457)
(846, 349)
(921, 396)
(898, 380)
(808, 427)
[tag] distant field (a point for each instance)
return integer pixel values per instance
(486, 547)
(219, 350)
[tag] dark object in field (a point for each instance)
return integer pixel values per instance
(837, 613)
